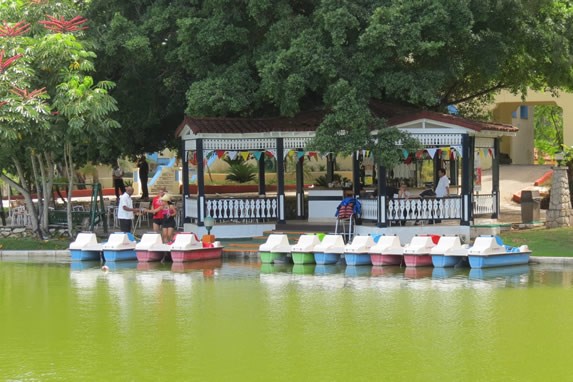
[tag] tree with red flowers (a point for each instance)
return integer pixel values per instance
(51, 110)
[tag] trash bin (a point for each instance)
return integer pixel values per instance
(530, 205)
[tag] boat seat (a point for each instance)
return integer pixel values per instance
(331, 244)
(120, 240)
(306, 243)
(148, 240)
(84, 239)
(360, 244)
(276, 243)
(184, 241)
(388, 245)
(420, 245)
(486, 245)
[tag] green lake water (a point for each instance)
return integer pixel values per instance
(243, 321)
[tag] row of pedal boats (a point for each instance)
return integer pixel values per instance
(423, 250)
(122, 246)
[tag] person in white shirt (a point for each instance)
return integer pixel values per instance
(125, 210)
(443, 187)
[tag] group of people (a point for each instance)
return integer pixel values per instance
(162, 208)
(442, 190)
(119, 185)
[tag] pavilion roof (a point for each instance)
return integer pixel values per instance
(309, 121)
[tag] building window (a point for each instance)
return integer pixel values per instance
(523, 112)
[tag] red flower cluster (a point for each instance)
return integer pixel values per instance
(18, 29)
(4, 64)
(23, 93)
(62, 25)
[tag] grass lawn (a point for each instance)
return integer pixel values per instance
(543, 241)
(12, 244)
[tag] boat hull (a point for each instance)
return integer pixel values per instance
(196, 254)
(147, 256)
(272, 257)
(357, 259)
(499, 260)
(123, 255)
(418, 260)
(324, 258)
(380, 259)
(442, 261)
(302, 258)
(79, 255)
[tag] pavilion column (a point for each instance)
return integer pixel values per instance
(495, 179)
(437, 165)
(280, 181)
(467, 179)
(262, 182)
(382, 192)
(200, 183)
(330, 162)
(300, 186)
(184, 178)
(356, 174)
(453, 172)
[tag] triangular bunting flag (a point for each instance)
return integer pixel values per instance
(299, 154)
(232, 155)
(245, 155)
(272, 153)
(257, 154)
(459, 150)
(432, 152)
(405, 153)
(220, 153)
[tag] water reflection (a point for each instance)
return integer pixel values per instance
(85, 275)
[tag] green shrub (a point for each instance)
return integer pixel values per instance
(242, 173)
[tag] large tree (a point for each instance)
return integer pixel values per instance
(52, 109)
(280, 57)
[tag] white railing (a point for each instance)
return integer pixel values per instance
(369, 209)
(484, 204)
(191, 210)
(242, 210)
(414, 209)
(422, 209)
(235, 210)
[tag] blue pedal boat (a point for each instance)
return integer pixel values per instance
(85, 247)
(449, 252)
(330, 250)
(489, 251)
(358, 252)
(120, 247)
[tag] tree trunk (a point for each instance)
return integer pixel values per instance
(70, 173)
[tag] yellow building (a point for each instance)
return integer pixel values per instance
(511, 109)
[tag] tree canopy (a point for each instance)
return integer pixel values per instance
(256, 58)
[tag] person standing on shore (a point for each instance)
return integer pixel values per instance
(118, 185)
(125, 210)
(143, 176)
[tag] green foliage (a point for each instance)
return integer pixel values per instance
(242, 173)
(257, 58)
(548, 130)
(321, 181)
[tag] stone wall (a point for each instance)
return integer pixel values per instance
(559, 211)
(22, 232)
